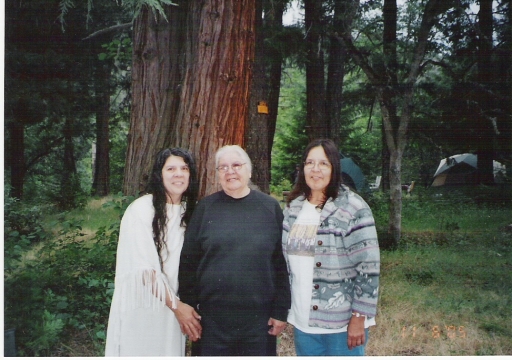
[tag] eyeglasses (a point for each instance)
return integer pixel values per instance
(225, 168)
(322, 164)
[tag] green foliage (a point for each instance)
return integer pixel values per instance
(155, 5)
(117, 50)
(67, 287)
(290, 139)
(284, 185)
(118, 147)
(46, 334)
(64, 6)
(22, 228)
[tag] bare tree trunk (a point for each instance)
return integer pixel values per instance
(273, 22)
(390, 96)
(486, 137)
(215, 91)
(259, 133)
(70, 184)
(317, 126)
(344, 12)
(101, 181)
(17, 157)
(156, 74)
(385, 160)
(256, 131)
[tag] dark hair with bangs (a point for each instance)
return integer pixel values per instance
(157, 189)
(333, 188)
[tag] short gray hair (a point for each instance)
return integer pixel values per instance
(236, 149)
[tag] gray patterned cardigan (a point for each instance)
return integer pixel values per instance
(347, 260)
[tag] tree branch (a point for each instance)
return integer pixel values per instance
(357, 56)
(44, 152)
(432, 10)
(107, 30)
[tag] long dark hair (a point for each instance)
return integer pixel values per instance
(332, 189)
(157, 189)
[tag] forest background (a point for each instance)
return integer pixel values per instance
(94, 89)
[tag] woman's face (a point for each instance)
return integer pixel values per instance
(317, 169)
(175, 176)
(234, 182)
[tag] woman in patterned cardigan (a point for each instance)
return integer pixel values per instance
(331, 248)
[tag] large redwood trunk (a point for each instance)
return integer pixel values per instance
(215, 90)
(157, 55)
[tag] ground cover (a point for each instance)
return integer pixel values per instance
(446, 290)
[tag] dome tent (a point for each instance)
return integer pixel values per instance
(352, 174)
(462, 169)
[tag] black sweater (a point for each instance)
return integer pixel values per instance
(232, 256)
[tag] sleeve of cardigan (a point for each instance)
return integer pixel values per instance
(282, 300)
(363, 252)
(139, 279)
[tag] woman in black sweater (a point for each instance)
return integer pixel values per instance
(232, 268)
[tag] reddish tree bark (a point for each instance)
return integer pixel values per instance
(156, 74)
(215, 90)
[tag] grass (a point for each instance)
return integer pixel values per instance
(447, 289)
(92, 217)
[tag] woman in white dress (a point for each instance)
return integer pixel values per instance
(142, 320)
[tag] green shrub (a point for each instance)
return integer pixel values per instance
(69, 286)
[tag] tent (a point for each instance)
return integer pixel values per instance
(461, 169)
(352, 175)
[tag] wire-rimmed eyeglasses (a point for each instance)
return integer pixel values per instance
(225, 168)
(322, 164)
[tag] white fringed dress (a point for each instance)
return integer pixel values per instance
(140, 324)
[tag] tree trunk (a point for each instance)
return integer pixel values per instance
(101, 181)
(344, 12)
(486, 136)
(17, 157)
(70, 184)
(273, 22)
(388, 96)
(156, 75)
(215, 91)
(390, 82)
(385, 160)
(317, 126)
(259, 133)
(256, 131)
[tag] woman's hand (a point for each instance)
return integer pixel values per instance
(356, 334)
(189, 320)
(276, 326)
